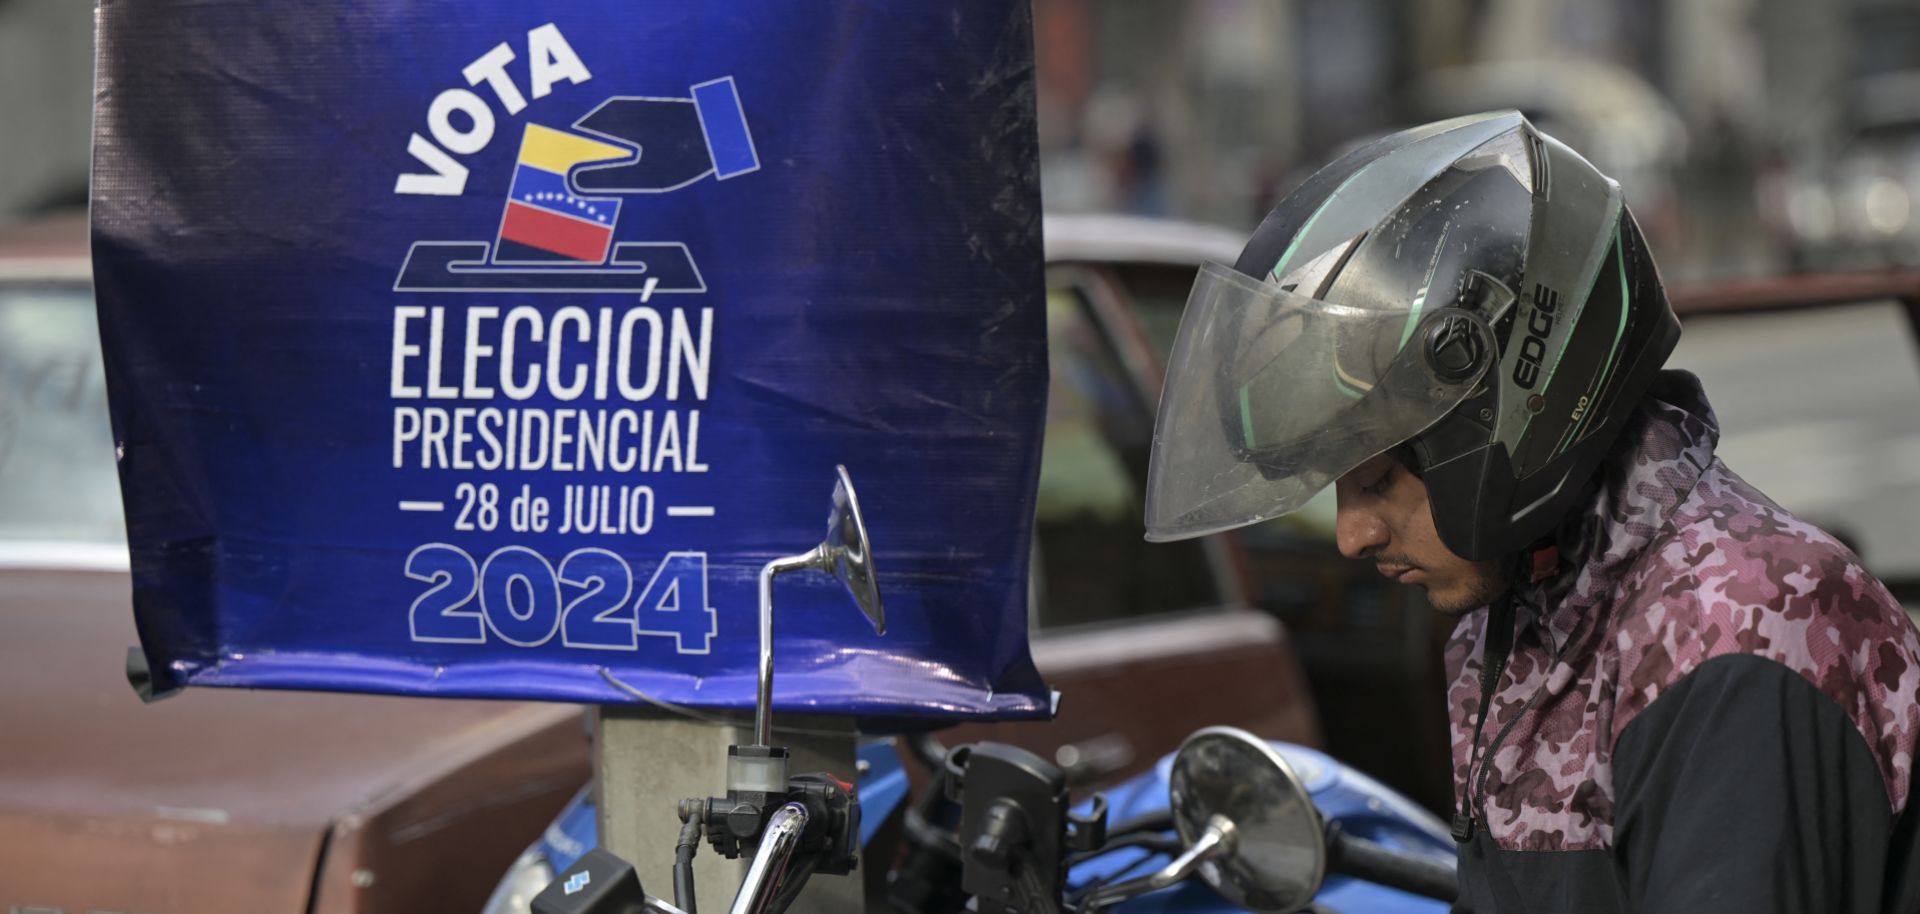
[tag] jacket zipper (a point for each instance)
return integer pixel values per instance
(1486, 761)
(1493, 664)
(1474, 805)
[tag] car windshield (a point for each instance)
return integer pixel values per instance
(57, 481)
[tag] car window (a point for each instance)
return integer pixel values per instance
(1159, 294)
(57, 479)
(1092, 564)
(1820, 410)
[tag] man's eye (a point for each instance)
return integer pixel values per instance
(1379, 484)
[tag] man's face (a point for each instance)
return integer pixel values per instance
(1384, 517)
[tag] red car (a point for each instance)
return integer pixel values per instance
(216, 800)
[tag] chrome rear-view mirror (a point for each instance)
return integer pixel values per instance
(1278, 855)
(846, 553)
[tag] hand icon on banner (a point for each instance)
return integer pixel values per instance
(681, 140)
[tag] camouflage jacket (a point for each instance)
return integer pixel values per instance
(1711, 706)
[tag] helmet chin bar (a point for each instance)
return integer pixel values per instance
(1474, 514)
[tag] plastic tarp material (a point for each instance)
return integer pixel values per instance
(489, 349)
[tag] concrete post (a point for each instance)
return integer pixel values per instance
(646, 760)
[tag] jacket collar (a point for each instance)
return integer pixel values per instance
(1666, 446)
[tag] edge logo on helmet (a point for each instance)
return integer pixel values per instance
(1546, 303)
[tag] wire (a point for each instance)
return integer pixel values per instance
(1079, 894)
(1158, 843)
(744, 720)
(928, 751)
(689, 844)
(664, 705)
(931, 836)
(1154, 821)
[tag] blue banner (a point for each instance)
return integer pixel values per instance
(489, 349)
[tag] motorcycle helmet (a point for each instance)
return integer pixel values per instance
(1470, 293)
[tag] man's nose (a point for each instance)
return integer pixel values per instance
(1359, 533)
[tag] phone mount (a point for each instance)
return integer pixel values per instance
(1016, 827)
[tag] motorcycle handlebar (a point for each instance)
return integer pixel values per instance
(1374, 862)
(764, 874)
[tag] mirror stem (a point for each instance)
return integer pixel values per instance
(1218, 841)
(818, 557)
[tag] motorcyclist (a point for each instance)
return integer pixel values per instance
(1668, 694)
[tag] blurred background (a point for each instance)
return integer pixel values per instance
(1751, 135)
(1769, 148)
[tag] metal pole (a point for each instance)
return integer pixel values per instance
(763, 713)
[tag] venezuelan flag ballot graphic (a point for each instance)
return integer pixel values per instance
(545, 220)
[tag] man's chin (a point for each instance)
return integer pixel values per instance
(1451, 603)
(1454, 601)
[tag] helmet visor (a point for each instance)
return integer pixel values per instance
(1271, 396)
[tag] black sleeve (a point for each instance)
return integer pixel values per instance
(1744, 788)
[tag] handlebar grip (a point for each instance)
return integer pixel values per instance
(1374, 862)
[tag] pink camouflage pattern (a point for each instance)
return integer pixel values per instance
(1676, 561)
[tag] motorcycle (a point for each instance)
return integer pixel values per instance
(1229, 822)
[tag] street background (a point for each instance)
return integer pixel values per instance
(1751, 135)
